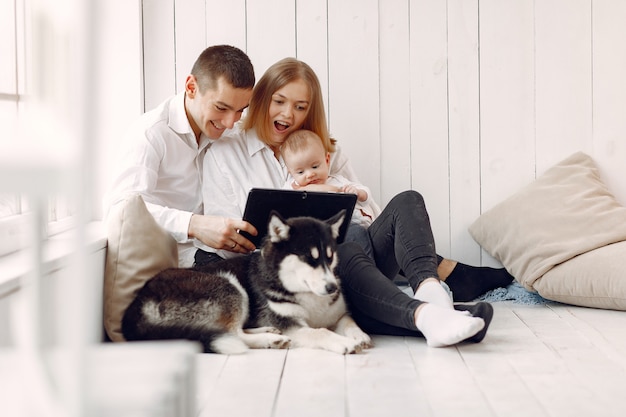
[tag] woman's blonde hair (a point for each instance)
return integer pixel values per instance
(276, 77)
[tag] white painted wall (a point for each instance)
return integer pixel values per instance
(463, 100)
(117, 84)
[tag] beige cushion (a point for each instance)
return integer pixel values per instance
(565, 212)
(138, 248)
(593, 279)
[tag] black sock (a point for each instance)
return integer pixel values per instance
(482, 310)
(468, 282)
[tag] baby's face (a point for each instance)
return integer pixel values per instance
(308, 166)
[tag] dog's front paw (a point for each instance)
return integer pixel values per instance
(265, 339)
(358, 335)
(345, 345)
(279, 342)
(353, 346)
(347, 327)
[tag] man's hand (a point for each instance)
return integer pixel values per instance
(222, 232)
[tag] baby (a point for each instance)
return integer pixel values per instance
(308, 164)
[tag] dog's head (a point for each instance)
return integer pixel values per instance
(303, 250)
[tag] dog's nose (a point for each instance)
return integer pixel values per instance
(331, 288)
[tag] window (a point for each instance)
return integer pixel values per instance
(15, 64)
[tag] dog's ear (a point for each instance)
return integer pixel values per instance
(277, 229)
(335, 222)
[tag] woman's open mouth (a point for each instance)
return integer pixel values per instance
(281, 126)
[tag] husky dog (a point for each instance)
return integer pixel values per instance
(285, 295)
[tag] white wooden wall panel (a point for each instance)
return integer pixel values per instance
(190, 37)
(226, 23)
(563, 79)
(159, 54)
(271, 32)
(465, 101)
(395, 98)
(507, 119)
(507, 112)
(353, 85)
(464, 129)
(609, 93)
(312, 39)
(429, 114)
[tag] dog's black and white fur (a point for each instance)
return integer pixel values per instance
(285, 295)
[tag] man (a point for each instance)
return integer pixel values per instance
(165, 151)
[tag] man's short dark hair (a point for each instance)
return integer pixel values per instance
(223, 61)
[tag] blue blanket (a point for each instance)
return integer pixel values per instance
(514, 292)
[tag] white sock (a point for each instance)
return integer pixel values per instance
(444, 327)
(433, 292)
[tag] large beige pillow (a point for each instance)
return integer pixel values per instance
(593, 279)
(138, 248)
(565, 212)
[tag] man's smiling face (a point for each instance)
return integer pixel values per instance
(216, 109)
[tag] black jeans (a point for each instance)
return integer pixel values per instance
(401, 239)
(203, 258)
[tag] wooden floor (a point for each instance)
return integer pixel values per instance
(547, 360)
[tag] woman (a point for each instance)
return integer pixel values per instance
(287, 98)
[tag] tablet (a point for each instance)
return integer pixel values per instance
(292, 203)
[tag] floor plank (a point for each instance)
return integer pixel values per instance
(494, 366)
(246, 386)
(450, 385)
(383, 381)
(313, 384)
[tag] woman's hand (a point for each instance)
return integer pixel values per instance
(222, 233)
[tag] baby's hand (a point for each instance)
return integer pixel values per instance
(350, 189)
(318, 187)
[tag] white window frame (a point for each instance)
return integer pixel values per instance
(14, 227)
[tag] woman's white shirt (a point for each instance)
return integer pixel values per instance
(240, 161)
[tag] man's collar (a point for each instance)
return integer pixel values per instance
(178, 117)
